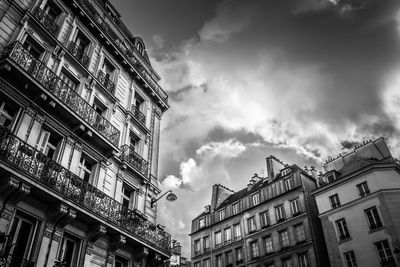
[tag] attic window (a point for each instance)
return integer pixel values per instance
(202, 222)
(285, 171)
(331, 177)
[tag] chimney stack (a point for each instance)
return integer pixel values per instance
(274, 165)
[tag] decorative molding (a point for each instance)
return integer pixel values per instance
(79, 225)
(97, 232)
(120, 177)
(158, 112)
(118, 241)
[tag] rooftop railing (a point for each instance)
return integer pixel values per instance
(56, 178)
(134, 159)
(46, 21)
(48, 79)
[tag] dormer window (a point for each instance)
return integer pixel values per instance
(139, 47)
(330, 177)
(222, 214)
(285, 171)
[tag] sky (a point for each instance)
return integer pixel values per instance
(300, 80)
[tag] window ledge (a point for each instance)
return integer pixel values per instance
(377, 229)
(345, 240)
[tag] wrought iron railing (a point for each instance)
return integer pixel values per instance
(79, 54)
(106, 82)
(134, 159)
(46, 21)
(15, 261)
(48, 79)
(103, 25)
(53, 176)
(138, 115)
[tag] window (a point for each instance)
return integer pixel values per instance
(197, 246)
(373, 218)
(202, 222)
(287, 262)
(280, 215)
(284, 238)
(229, 258)
(7, 114)
(254, 249)
(228, 234)
(52, 10)
(139, 102)
(48, 143)
(69, 80)
(197, 264)
(264, 219)
(69, 251)
(342, 229)
(384, 252)
(107, 69)
(363, 189)
(299, 232)
(207, 263)
(206, 243)
(303, 260)
(350, 259)
(222, 214)
(256, 199)
(235, 208)
(252, 224)
(269, 248)
(100, 108)
(81, 43)
(239, 254)
(295, 207)
(218, 260)
(134, 143)
(120, 262)
(335, 202)
(22, 237)
(218, 240)
(236, 231)
(86, 165)
(33, 47)
(288, 184)
(128, 197)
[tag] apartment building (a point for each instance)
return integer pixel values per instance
(80, 111)
(271, 222)
(358, 203)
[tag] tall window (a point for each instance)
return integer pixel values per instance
(7, 114)
(235, 208)
(139, 102)
(256, 198)
(341, 227)
(33, 47)
(218, 239)
(304, 260)
(280, 215)
(264, 218)
(284, 238)
(373, 218)
(269, 248)
(222, 214)
(48, 143)
(120, 262)
(251, 222)
(239, 254)
(288, 184)
(197, 264)
(52, 10)
(86, 165)
(229, 257)
(228, 234)
(350, 259)
(100, 108)
(236, 231)
(218, 260)
(384, 252)
(69, 80)
(107, 68)
(81, 42)
(363, 189)
(254, 250)
(69, 250)
(287, 262)
(335, 202)
(295, 207)
(206, 242)
(207, 263)
(202, 222)
(197, 246)
(128, 197)
(300, 234)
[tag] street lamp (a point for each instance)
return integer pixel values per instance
(170, 197)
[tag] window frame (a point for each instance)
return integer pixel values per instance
(350, 258)
(342, 229)
(268, 246)
(251, 224)
(387, 251)
(216, 235)
(373, 213)
(335, 201)
(280, 213)
(363, 189)
(297, 206)
(255, 198)
(264, 218)
(235, 208)
(284, 238)
(235, 232)
(228, 234)
(254, 249)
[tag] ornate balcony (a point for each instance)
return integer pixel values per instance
(49, 80)
(46, 21)
(13, 260)
(138, 115)
(88, 7)
(134, 159)
(54, 177)
(106, 82)
(78, 54)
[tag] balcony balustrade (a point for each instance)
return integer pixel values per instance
(106, 82)
(13, 260)
(48, 79)
(56, 178)
(78, 54)
(138, 115)
(46, 21)
(103, 25)
(134, 159)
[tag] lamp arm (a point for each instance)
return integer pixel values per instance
(155, 200)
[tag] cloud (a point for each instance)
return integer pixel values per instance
(228, 149)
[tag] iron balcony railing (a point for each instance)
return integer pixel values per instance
(106, 82)
(56, 178)
(46, 21)
(48, 79)
(79, 54)
(134, 159)
(103, 25)
(138, 115)
(15, 261)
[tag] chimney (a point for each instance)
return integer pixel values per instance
(219, 194)
(253, 181)
(273, 167)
